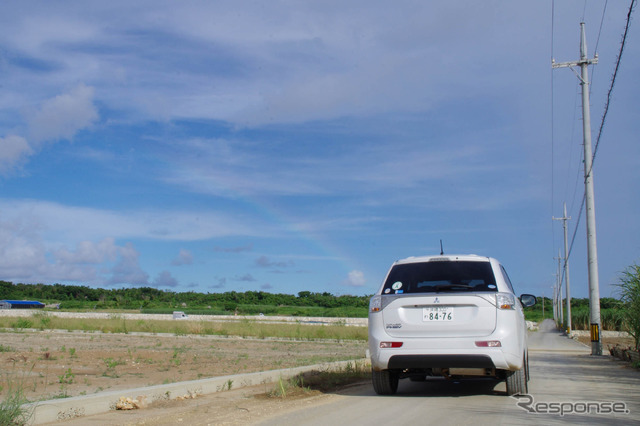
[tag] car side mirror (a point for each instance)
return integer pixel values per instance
(528, 300)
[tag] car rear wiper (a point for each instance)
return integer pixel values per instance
(442, 287)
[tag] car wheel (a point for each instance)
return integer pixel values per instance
(517, 381)
(385, 382)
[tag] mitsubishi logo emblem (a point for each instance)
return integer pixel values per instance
(436, 300)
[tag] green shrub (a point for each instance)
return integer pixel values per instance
(630, 295)
(22, 323)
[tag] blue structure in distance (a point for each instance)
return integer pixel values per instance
(20, 304)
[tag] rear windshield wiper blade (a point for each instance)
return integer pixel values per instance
(452, 286)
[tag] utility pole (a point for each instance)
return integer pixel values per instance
(566, 267)
(559, 288)
(555, 303)
(592, 248)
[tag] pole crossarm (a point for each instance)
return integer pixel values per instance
(579, 63)
(555, 64)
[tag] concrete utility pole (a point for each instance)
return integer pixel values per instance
(566, 267)
(555, 303)
(559, 287)
(592, 249)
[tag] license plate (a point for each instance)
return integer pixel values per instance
(443, 314)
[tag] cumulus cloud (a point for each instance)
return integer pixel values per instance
(165, 279)
(127, 270)
(355, 279)
(22, 253)
(25, 256)
(184, 258)
(81, 264)
(89, 252)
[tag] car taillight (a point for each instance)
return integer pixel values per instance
(384, 345)
(375, 304)
(505, 301)
(488, 344)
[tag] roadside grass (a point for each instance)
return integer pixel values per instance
(12, 408)
(330, 380)
(243, 328)
(12, 411)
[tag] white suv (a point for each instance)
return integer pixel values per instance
(451, 316)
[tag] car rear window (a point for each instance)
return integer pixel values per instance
(440, 277)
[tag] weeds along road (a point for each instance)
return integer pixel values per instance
(564, 377)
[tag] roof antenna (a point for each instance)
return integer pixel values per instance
(441, 249)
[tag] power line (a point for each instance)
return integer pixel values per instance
(604, 10)
(606, 110)
(613, 82)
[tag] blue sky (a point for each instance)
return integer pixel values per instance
(289, 146)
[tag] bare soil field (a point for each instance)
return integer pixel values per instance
(48, 365)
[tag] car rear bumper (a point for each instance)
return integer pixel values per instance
(401, 362)
(460, 352)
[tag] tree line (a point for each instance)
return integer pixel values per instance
(79, 296)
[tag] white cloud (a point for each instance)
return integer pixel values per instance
(26, 257)
(51, 242)
(57, 118)
(22, 253)
(13, 152)
(286, 63)
(88, 252)
(127, 270)
(165, 279)
(184, 258)
(70, 224)
(355, 279)
(63, 116)
(265, 262)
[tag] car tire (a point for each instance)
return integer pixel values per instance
(517, 380)
(385, 382)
